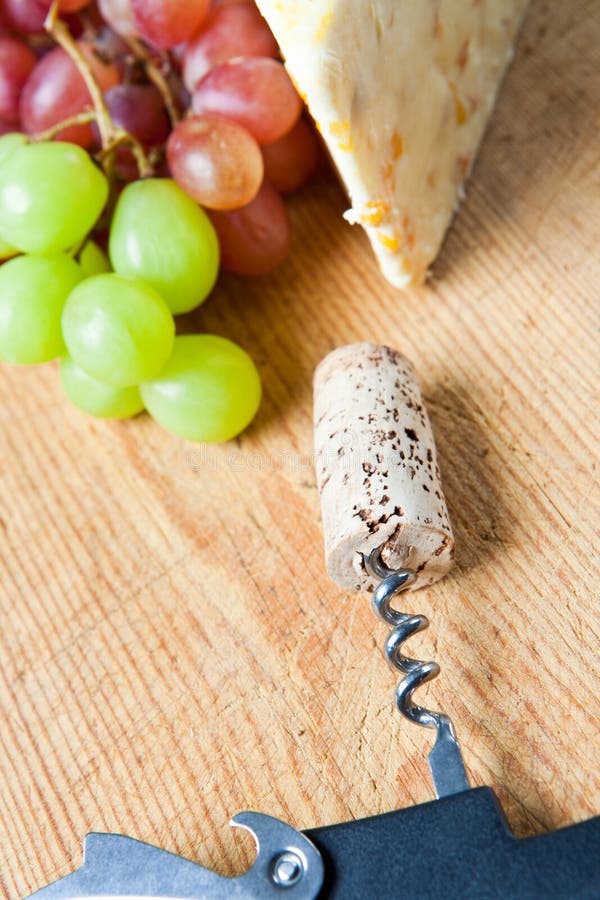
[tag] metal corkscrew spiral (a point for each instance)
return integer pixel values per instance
(445, 759)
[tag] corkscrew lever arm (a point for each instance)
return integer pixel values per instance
(445, 758)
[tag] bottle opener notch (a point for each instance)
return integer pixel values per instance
(116, 867)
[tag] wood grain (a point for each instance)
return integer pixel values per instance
(172, 650)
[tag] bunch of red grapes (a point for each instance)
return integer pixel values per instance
(241, 140)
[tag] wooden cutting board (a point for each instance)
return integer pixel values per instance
(172, 649)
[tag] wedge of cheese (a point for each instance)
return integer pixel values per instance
(401, 91)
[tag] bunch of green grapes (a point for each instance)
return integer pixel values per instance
(110, 319)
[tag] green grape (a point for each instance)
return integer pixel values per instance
(10, 142)
(33, 291)
(208, 391)
(95, 397)
(159, 234)
(51, 194)
(118, 330)
(93, 260)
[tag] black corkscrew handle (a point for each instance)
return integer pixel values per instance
(457, 848)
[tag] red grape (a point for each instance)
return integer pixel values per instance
(237, 29)
(166, 23)
(25, 15)
(217, 162)
(126, 167)
(291, 161)
(255, 92)
(16, 64)
(66, 6)
(215, 3)
(139, 109)
(71, 6)
(28, 16)
(255, 238)
(56, 90)
(119, 15)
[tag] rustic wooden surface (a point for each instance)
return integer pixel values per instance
(172, 650)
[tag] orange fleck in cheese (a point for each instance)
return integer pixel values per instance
(341, 130)
(390, 242)
(374, 212)
(387, 170)
(323, 26)
(397, 145)
(463, 55)
(460, 109)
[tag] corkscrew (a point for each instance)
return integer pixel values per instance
(445, 758)
(387, 530)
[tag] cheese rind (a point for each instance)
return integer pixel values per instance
(401, 91)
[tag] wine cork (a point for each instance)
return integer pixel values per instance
(377, 468)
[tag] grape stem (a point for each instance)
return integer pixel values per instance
(118, 138)
(83, 118)
(61, 34)
(156, 76)
(111, 137)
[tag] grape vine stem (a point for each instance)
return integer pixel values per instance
(83, 118)
(111, 137)
(156, 76)
(61, 34)
(118, 138)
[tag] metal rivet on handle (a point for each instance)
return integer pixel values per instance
(288, 869)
